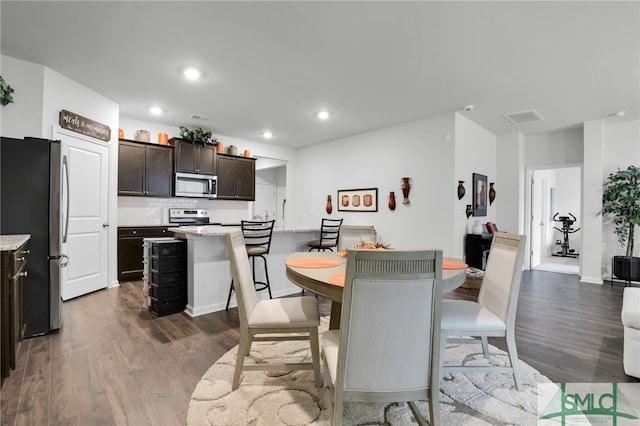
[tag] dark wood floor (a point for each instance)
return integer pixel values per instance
(114, 364)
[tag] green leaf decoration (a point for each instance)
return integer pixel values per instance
(621, 204)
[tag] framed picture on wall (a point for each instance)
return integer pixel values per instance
(358, 200)
(479, 195)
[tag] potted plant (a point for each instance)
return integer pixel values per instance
(621, 202)
(6, 92)
(197, 135)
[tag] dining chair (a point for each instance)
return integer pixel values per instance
(257, 238)
(352, 235)
(390, 326)
(329, 234)
(288, 318)
(494, 313)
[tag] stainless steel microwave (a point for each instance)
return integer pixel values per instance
(193, 185)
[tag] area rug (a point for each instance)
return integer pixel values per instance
(290, 398)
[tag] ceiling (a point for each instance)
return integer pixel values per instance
(274, 65)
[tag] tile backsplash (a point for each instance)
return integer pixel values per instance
(144, 211)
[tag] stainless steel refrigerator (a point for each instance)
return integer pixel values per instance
(31, 175)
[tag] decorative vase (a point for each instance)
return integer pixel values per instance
(461, 190)
(219, 147)
(232, 150)
(406, 187)
(392, 201)
(469, 211)
(329, 207)
(492, 193)
(142, 136)
(163, 139)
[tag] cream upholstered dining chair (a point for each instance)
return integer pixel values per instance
(352, 235)
(329, 235)
(270, 319)
(494, 314)
(390, 326)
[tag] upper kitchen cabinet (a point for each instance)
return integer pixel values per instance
(236, 178)
(145, 169)
(194, 157)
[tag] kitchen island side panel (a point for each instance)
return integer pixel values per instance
(209, 272)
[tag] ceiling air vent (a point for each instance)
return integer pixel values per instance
(199, 117)
(523, 117)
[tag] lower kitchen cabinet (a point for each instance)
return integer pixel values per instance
(236, 178)
(12, 302)
(130, 249)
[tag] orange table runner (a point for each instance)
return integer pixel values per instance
(313, 263)
(337, 279)
(453, 264)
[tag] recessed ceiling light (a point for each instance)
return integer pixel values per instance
(267, 134)
(621, 113)
(192, 73)
(323, 115)
(155, 110)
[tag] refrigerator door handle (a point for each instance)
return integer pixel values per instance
(65, 165)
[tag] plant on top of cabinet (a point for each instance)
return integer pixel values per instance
(197, 135)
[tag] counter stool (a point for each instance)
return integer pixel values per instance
(329, 234)
(257, 240)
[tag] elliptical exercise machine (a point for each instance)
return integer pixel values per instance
(566, 229)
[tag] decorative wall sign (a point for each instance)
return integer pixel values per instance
(479, 195)
(358, 200)
(84, 126)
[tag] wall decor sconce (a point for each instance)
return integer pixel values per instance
(329, 206)
(461, 190)
(469, 211)
(392, 200)
(406, 187)
(492, 193)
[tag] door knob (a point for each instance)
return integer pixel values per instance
(105, 225)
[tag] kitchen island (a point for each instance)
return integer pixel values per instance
(209, 272)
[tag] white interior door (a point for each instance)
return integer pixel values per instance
(536, 222)
(87, 238)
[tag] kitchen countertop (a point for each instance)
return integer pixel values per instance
(13, 242)
(218, 231)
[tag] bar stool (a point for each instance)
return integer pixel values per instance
(257, 240)
(329, 234)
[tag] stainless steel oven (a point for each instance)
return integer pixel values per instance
(189, 217)
(193, 185)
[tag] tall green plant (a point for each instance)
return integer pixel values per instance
(621, 202)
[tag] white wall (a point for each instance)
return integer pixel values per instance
(475, 152)
(40, 95)
(379, 159)
(621, 149)
(510, 179)
(23, 117)
(556, 148)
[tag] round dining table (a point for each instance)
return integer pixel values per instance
(321, 280)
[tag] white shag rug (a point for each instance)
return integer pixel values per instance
(291, 398)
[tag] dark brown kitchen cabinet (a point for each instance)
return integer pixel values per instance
(194, 157)
(130, 249)
(12, 300)
(236, 178)
(145, 169)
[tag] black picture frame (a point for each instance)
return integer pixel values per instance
(358, 200)
(480, 190)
